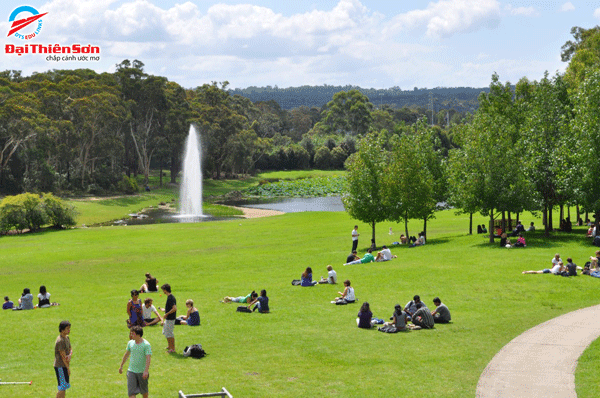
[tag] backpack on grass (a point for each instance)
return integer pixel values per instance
(194, 351)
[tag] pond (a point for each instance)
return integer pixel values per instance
(292, 205)
(285, 205)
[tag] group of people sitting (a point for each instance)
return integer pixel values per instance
(570, 269)
(26, 300)
(306, 277)
(415, 312)
(141, 314)
(260, 303)
(412, 241)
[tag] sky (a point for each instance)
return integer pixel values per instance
(288, 43)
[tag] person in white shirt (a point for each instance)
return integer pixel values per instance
(384, 255)
(331, 276)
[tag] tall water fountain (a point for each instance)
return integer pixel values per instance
(190, 195)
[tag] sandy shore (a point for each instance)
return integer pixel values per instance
(256, 213)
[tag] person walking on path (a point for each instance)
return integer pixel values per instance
(137, 373)
(62, 358)
(355, 236)
(168, 322)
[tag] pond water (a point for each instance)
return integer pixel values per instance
(293, 205)
(285, 205)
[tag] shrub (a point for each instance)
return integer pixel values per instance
(60, 215)
(323, 158)
(128, 185)
(22, 211)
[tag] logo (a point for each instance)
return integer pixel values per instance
(32, 17)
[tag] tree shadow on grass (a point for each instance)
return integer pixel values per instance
(537, 239)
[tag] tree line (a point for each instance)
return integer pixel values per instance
(533, 146)
(78, 131)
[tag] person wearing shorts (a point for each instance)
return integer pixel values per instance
(170, 316)
(140, 352)
(62, 358)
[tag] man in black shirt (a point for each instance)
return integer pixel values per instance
(170, 316)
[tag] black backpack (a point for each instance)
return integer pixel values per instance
(194, 351)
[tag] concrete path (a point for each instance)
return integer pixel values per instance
(541, 362)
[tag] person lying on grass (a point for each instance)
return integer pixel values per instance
(367, 258)
(556, 270)
(192, 318)
(240, 299)
(306, 278)
(147, 309)
(262, 303)
(347, 296)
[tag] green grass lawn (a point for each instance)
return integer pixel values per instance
(306, 346)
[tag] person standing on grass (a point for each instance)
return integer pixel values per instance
(168, 322)
(137, 373)
(355, 236)
(62, 358)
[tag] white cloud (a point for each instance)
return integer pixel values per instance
(597, 13)
(525, 11)
(446, 18)
(568, 6)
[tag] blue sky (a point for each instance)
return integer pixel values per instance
(380, 44)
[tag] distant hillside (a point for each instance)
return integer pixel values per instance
(460, 98)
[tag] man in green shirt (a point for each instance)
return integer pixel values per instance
(137, 374)
(367, 258)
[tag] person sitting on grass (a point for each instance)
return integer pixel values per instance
(483, 229)
(240, 299)
(367, 258)
(504, 241)
(192, 318)
(571, 267)
(7, 304)
(331, 276)
(306, 278)
(147, 309)
(150, 285)
(347, 296)
(44, 298)
(398, 319)
(441, 314)
(520, 241)
(26, 300)
(385, 254)
(556, 270)
(422, 317)
(403, 239)
(262, 303)
(411, 307)
(531, 228)
(420, 240)
(352, 256)
(365, 316)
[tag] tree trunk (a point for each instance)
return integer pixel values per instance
(406, 225)
(562, 213)
(550, 210)
(546, 229)
(173, 170)
(425, 227)
(503, 221)
(491, 226)
(510, 226)
(470, 223)
(373, 235)
(587, 217)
